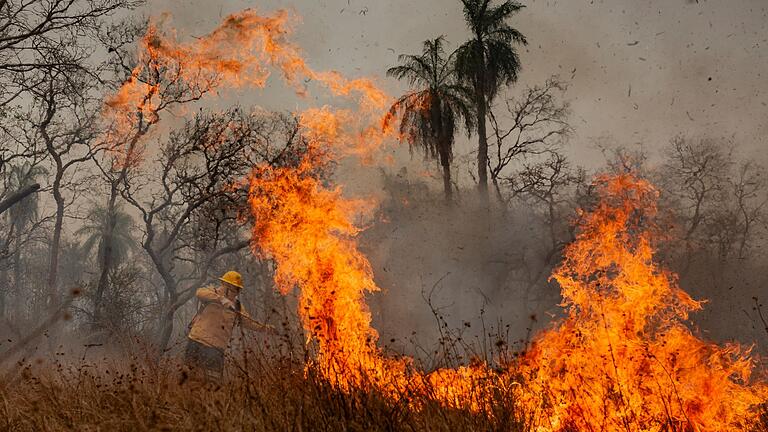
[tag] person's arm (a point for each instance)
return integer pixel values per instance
(209, 295)
(251, 324)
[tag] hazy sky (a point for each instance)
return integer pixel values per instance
(693, 68)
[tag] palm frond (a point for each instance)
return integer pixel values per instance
(95, 227)
(416, 69)
(496, 17)
(489, 60)
(438, 103)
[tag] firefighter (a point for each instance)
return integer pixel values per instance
(219, 311)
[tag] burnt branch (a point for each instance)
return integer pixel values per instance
(534, 124)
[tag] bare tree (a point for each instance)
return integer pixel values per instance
(60, 120)
(694, 175)
(620, 159)
(549, 185)
(750, 190)
(29, 28)
(717, 199)
(188, 200)
(733, 217)
(534, 124)
(37, 41)
(47, 75)
(65, 119)
(165, 87)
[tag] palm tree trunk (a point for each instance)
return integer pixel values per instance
(482, 144)
(106, 256)
(443, 147)
(447, 186)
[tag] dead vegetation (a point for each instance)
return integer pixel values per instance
(259, 394)
(268, 387)
(272, 394)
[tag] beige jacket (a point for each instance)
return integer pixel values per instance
(214, 323)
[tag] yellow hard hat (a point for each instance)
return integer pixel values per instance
(233, 278)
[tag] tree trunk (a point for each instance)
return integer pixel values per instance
(18, 196)
(499, 195)
(447, 186)
(482, 144)
(175, 301)
(106, 256)
(166, 326)
(53, 262)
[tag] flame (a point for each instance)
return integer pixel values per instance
(240, 52)
(621, 360)
(306, 229)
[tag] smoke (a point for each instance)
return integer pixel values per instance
(638, 71)
(461, 265)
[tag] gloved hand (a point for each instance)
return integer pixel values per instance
(227, 303)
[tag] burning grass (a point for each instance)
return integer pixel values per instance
(261, 392)
(623, 359)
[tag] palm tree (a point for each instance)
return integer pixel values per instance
(120, 243)
(24, 212)
(430, 113)
(95, 226)
(486, 62)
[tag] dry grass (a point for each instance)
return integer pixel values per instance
(265, 391)
(270, 394)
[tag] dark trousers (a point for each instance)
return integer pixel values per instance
(204, 357)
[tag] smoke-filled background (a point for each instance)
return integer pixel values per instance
(638, 72)
(447, 214)
(672, 89)
(637, 75)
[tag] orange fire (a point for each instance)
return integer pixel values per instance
(238, 53)
(622, 359)
(321, 255)
(306, 229)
